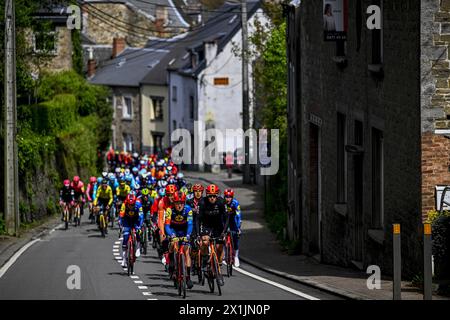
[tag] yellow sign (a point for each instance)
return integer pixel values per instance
(396, 228)
(221, 81)
(427, 229)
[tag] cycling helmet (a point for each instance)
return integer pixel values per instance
(212, 189)
(180, 175)
(104, 174)
(145, 192)
(135, 155)
(198, 187)
(92, 179)
(162, 183)
(143, 172)
(104, 182)
(111, 175)
(142, 162)
(152, 180)
(171, 189)
(127, 171)
(137, 186)
(99, 180)
(76, 179)
(131, 199)
(228, 193)
(162, 192)
(179, 197)
(117, 170)
(135, 170)
(169, 168)
(67, 183)
(129, 179)
(112, 178)
(122, 180)
(189, 187)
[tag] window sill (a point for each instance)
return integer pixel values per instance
(341, 61)
(340, 208)
(376, 235)
(376, 70)
(156, 120)
(127, 119)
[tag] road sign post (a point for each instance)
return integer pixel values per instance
(427, 263)
(397, 285)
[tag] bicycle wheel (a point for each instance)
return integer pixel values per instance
(183, 275)
(198, 265)
(102, 224)
(66, 220)
(129, 257)
(216, 273)
(144, 246)
(229, 252)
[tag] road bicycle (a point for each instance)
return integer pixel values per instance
(77, 214)
(102, 224)
(180, 269)
(229, 253)
(212, 271)
(66, 215)
(144, 238)
(131, 251)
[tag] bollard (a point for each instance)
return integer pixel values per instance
(397, 285)
(427, 263)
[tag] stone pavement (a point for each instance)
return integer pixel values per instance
(260, 248)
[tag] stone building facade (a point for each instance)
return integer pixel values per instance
(435, 100)
(355, 135)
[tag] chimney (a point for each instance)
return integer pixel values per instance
(91, 63)
(118, 46)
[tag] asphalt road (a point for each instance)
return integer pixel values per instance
(41, 273)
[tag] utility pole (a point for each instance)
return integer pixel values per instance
(11, 182)
(245, 102)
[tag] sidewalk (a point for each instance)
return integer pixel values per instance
(10, 245)
(260, 248)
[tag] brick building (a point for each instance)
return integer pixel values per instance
(363, 114)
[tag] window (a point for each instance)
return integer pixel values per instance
(377, 178)
(174, 124)
(128, 144)
(377, 38)
(46, 42)
(157, 141)
(341, 157)
(174, 93)
(127, 108)
(158, 108)
(191, 107)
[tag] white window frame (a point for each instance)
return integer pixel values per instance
(125, 114)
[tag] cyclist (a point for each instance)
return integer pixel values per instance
(130, 216)
(234, 211)
(178, 224)
(212, 222)
(163, 204)
(147, 202)
(90, 194)
(104, 198)
(194, 202)
(78, 188)
(121, 193)
(66, 197)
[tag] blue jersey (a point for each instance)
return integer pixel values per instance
(179, 223)
(134, 218)
(234, 210)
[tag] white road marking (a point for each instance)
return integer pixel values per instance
(16, 256)
(57, 227)
(143, 287)
(134, 277)
(118, 258)
(280, 286)
(116, 254)
(138, 281)
(152, 299)
(115, 250)
(147, 293)
(116, 246)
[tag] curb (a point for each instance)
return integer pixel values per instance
(310, 283)
(18, 243)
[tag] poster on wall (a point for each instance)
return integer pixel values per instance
(335, 20)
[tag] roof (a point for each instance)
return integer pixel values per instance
(129, 68)
(221, 27)
(148, 8)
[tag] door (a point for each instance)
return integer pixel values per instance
(314, 189)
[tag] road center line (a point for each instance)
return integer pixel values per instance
(16, 256)
(278, 285)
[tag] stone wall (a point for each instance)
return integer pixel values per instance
(435, 100)
(103, 22)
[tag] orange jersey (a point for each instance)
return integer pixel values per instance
(163, 204)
